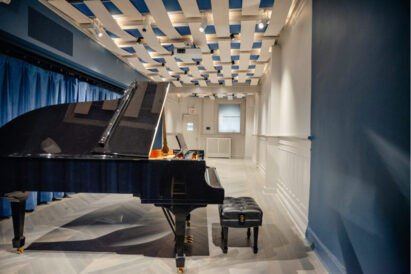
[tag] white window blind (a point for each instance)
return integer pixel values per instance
(229, 118)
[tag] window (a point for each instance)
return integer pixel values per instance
(229, 118)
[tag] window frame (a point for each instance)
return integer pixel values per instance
(242, 113)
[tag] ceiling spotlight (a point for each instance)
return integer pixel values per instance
(264, 21)
(97, 28)
(203, 24)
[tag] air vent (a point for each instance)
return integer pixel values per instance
(49, 32)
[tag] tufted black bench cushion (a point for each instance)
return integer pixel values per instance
(240, 212)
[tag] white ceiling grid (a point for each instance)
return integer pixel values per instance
(278, 16)
(142, 53)
(71, 11)
(220, 16)
(128, 9)
(100, 11)
(160, 15)
(143, 58)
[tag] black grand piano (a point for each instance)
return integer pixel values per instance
(103, 147)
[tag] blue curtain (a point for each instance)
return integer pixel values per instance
(25, 87)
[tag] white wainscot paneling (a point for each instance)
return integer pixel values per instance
(288, 175)
(261, 153)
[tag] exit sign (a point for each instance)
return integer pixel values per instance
(192, 111)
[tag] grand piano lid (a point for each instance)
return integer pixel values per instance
(124, 127)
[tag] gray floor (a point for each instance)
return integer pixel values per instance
(100, 233)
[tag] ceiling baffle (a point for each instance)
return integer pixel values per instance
(234, 49)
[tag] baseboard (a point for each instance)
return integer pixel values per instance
(331, 263)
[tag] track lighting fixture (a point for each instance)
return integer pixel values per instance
(203, 24)
(264, 21)
(97, 28)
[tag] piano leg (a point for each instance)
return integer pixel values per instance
(18, 211)
(180, 223)
(188, 220)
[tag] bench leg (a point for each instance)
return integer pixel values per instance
(225, 238)
(255, 229)
(248, 233)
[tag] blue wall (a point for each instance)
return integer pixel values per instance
(88, 56)
(359, 198)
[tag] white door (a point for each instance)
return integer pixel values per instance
(191, 130)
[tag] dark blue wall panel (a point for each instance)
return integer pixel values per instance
(359, 197)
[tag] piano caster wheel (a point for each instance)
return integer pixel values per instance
(188, 239)
(20, 250)
(180, 270)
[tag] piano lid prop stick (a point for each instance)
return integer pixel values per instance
(164, 149)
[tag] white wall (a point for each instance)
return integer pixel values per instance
(207, 112)
(282, 118)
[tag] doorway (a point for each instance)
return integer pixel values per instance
(190, 130)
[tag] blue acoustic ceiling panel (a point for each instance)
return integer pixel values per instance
(266, 4)
(169, 47)
(235, 4)
(83, 9)
(257, 45)
(160, 60)
(129, 49)
(172, 5)
(204, 4)
(213, 46)
(140, 5)
(158, 32)
(235, 28)
(235, 45)
(111, 7)
(112, 35)
(134, 32)
(183, 30)
(149, 49)
(254, 57)
(210, 29)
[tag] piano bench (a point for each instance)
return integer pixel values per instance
(242, 212)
